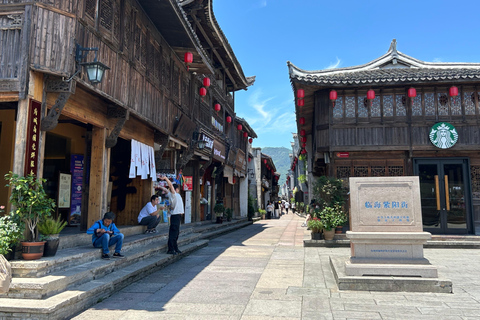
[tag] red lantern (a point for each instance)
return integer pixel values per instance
(302, 132)
(333, 97)
(265, 161)
(229, 119)
(234, 180)
(250, 140)
(304, 145)
(304, 151)
(188, 59)
(453, 91)
(301, 121)
(304, 139)
(206, 82)
(412, 93)
(300, 93)
(203, 92)
(217, 107)
(249, 159)
(370, 96)
(301, 103)
(239, 127)
(245, 134)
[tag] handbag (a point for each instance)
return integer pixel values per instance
(5, 274)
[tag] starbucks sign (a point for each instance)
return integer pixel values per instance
(443, 135)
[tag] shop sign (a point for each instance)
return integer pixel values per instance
(33, 137)
(64, 190)
(443, 135)
(76, 167)
(240, 163)
(185, 128)
(343, 154)
(207, 139)
(219, 151)
(187, 183)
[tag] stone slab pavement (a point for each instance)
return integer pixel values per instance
(263, 272)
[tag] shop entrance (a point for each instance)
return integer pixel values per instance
(445, 194)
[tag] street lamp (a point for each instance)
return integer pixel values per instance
(95, 70)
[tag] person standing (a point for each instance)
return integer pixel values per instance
(175, 218)
(150, 215)
(287, 205)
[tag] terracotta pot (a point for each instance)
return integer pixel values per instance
(339, 229)
(32, 250)
(328, 234)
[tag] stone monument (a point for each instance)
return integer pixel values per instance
(387, 238)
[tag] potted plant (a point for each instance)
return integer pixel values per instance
(219, 210)
(262, 212)
(316, 226)
(10, 234)
(31, 204)
(331, 217)
(228, 214)
(50, 228)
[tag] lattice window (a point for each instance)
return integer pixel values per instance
(429, 104)
(185, 90)
(136, 43)
(442, 102)
(400, 103)
(127, 29)
(469, 101)
(360, 171)
(350, 107)
(157, 63)
(106, 14)
(475, 176)
(175, 83)
(90, 7)
(375, 108)
(338, 109)
(363, 103)
(387, 106)
(417, 105)
(378, 171)
(150, 59)
(394, 171)
(166, 71)
(116, 21)
(456, 106)
(343, 172)
(143, 48)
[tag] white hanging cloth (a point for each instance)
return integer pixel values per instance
(142, 161)
(133, 165)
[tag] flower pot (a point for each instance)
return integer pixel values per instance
(339, 229)
(316, 235)
(219, 220)
(11, 254)
(329, 234)
(32, 250)
(51, 246)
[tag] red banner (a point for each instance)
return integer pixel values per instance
(188, 184)
(33, 137)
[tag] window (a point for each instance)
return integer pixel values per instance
(105, 15)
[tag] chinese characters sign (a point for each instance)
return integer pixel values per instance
(386, 204)
(33, 137)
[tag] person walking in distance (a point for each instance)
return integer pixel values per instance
(175, 218)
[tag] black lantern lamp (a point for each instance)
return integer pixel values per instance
(196, 140)
(95, 70)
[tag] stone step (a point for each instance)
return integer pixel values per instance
(69, 302)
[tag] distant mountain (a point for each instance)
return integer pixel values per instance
(280, 159)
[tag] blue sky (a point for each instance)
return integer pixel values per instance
(317, 34)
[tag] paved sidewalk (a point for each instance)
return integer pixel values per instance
(264, 272)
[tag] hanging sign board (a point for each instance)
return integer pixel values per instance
(64, 190)
(219, 152)
(188, 183)
(240, 162)
(76, 168)
(33, 137)
(343, 154)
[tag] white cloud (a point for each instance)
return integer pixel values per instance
(334, 65)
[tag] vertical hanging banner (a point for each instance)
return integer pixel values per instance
(76, 168)
(33, 137)
(188, 185)
(188, 206)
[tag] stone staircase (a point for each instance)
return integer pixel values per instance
(77, 278)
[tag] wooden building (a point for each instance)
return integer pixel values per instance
(396, 116)
(56, 123)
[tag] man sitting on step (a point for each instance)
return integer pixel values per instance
(105, 234)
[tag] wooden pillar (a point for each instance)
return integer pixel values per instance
(99, 170)
(196, 192)
(20, 137)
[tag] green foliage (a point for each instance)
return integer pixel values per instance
(332, 217)
(300, 206)
(281, 158)
(30, 201)
(228, 214)
(315, 225)
(262, 211)
(10, 233)
(292, 200)
(329, 192)
(252, 205)
(50, 226)
(302, 178)
(219, 209)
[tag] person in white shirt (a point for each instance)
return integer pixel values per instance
(150, 215)
(176, 217)
(287, 205)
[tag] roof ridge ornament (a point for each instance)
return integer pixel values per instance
(393, 46)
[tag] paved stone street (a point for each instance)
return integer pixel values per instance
(264, 272)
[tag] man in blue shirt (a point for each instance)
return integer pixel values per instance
(105, 234)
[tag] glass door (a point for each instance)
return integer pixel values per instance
(445, 195)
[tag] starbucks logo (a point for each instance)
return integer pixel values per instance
(443, 135)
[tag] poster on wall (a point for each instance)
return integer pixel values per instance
(188, 183)
(64, 191)
(188, 207)
(76, 168)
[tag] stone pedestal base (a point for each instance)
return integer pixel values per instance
(395, 270)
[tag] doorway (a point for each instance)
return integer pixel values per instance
(445, 195)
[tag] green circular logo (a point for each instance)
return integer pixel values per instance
(443, 135)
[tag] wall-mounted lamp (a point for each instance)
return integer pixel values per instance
(95, 70)
(199, 143)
